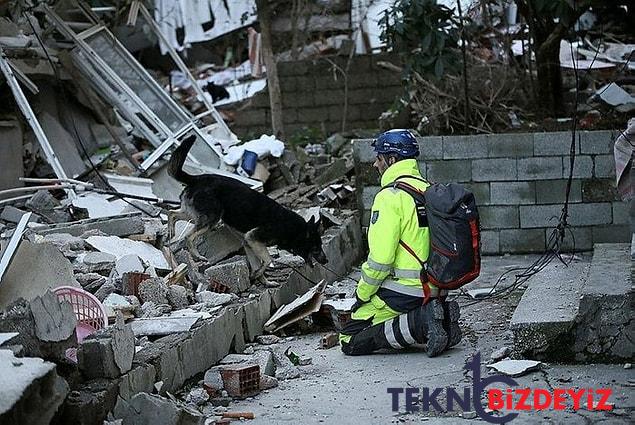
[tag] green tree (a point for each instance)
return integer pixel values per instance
(424, 34)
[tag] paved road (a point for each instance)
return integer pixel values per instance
(353, 390)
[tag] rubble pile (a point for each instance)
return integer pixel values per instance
(90, 279)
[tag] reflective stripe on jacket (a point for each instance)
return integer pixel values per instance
(394, 217)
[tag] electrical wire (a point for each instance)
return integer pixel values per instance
(72, 116)
(557, 235)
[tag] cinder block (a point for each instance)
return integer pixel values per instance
(599, 190)
(539, 215)
(621, 213)
(252, 117)
(296, 101)
(498, 217)
(513, 193)
(327, 83)
(328, 97)
(463, 147)
(363, 151)
(361, 81)
(459, 170)
(362, 96)
(313, 115)
(423, 169)
(430, 148)
(590, 214)
(596, 142)
(489, 242)
(553, 191)
(292, 68)
(366, 175)
(514, 145)
(604, 166)
(575, 238)
(539, 168)
(612, 234)
(554, 143)
(484, 170)
(582, 167)
(368, 195)
(522, 240)
(481, 192)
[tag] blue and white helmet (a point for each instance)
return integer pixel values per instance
(397, 141)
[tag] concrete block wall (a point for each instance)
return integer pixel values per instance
(313, 95)
(519, 182)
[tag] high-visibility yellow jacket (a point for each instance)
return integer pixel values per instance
(390, 271)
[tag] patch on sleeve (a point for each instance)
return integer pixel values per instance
(374, 217)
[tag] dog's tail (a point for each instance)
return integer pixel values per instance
(175, 167)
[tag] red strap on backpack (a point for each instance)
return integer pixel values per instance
(423, 275)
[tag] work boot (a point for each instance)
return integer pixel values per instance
(451, 314)
(432, 323)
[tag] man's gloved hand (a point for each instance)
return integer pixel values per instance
(358, 303)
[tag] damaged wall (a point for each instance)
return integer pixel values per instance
(519, 183)
(313, 95)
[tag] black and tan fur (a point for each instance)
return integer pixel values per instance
(210, 199)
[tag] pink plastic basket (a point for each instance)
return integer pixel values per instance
(89, 311)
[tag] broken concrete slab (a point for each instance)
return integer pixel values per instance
(124, 225)
(31, 392)
(108, 353)
(65, 241)
(12, 214)
(120, 247)
(153, 290)
(114, 303)
(218, 244)
(129, 263)
(54, 320)
(515, 367)
(233, 272)
(543, 320)
(98, 261)
(149, 409)
(213, 299)
(161, 326)
(605, 328)
(35, 269)
(177, 296)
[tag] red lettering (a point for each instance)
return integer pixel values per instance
(538, 392)
(495, 399)
(576, 396)
(589, 399)
(559, 399)
(509, 399)
(602, 404)
(524, 395)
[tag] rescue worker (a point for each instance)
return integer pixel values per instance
(389, 312)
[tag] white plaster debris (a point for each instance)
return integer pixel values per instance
(515, 367)
(120, 247)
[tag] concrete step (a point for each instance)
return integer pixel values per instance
(544, 319)
(605, 329)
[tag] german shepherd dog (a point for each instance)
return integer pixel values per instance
(210, 199)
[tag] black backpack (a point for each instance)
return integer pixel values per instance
(450, 213)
